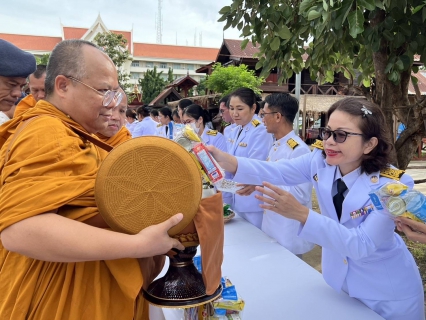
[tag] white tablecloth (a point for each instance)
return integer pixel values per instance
(276, 284)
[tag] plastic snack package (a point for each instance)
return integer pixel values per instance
(228, 186)
(397, 199)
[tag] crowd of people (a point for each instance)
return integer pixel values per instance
(59, 259)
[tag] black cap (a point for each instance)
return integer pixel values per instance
(15, 62)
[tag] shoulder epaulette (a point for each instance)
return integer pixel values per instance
(212, 132)
(318, 144)
(391, 173)
(159, 125)
(292, 143)
(255, 122)
(225, 124)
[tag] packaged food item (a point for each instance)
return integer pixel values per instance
(228, 213)
(228, 186)
(209, 164)
(397, 199)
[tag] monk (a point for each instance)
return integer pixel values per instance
(36, 86)
(116, 132)
(15, 66)
(58, 259)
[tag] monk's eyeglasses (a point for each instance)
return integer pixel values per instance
(109, 95)
(339, 136)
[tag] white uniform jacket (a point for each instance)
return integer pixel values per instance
(146, 127)
(214, 138)
(161, 130)
(227, 133)
(254, 142)
(285, 230)
(363, 255)
(131, 126)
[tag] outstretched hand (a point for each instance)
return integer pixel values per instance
(225, 160)
(154, 240)
(246, 189)
(282, 202)
(414, 230)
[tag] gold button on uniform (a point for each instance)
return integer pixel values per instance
(345, 261)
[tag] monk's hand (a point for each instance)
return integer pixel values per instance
(282, 202)
(414, 230)
(246, 189)
(154, 240)
(225, 160)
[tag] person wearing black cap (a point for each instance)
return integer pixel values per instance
(15, 66)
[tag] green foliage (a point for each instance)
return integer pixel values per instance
(226, 79)
(170, 77)
(115, 46)
(43, 59)
(202, 87)
(152, 84)
(343, 35)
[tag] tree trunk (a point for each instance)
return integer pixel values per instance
(393, 99)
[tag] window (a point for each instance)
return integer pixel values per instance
(135, 63)
(176, 66)
(150, 65)
(190, 66)
(134, 75)
(163, 65)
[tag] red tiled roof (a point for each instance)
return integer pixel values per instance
(74, 33)
(234, 47)
(174, 52)
(26, 42)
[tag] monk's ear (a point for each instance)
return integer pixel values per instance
(62, 84)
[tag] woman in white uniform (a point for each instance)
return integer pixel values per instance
(362, 255)
(197, 117)
(250, 140)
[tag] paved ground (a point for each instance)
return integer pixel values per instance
(416, 169)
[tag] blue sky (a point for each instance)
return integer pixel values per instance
(181, 18)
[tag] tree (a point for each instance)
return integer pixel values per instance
(202, 87)
(152, 84)
(115, 46)
(377, 38)
(226, 79)
(170, 77)
(43, 59)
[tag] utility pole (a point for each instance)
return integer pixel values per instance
(159, 23)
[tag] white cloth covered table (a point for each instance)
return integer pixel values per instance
(275, 284)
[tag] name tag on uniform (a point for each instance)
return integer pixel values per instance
(243, 144)
(361, 212)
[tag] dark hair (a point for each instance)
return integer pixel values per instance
(195, 111)
(261, 104)
(154, 112)
(371, 125)
(40, 71)
(224, 100)
(175, 113)
(247, 96)
(184, 103)
(166, 112)
(131, 113)
(143, 111)
(283, 103)
(66, 59)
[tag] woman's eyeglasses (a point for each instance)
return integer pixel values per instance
(339, 136)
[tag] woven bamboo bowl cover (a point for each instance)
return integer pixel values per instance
(145, 181)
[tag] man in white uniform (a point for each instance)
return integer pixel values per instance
(146, 126)
(278, 115)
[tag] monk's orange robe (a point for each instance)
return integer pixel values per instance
(24, 105)
(52, 169)
(122, 135)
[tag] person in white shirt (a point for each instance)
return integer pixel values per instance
(165, 128)
(146, 126)
(197, 117)
(278, 115)
(130, 120)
